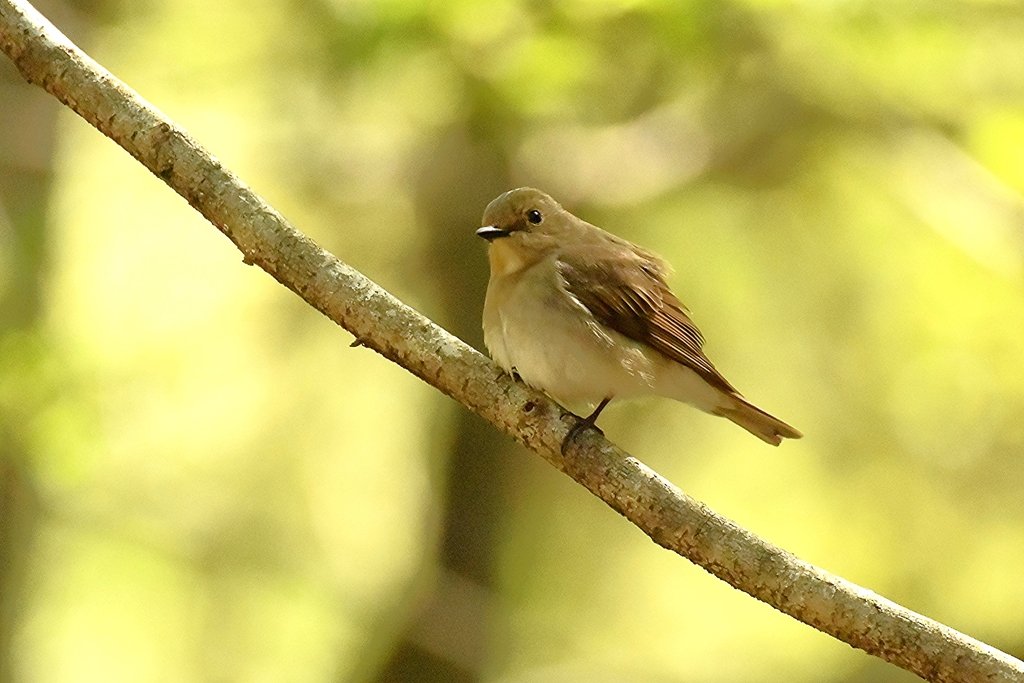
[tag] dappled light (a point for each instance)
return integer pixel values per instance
(201, 480)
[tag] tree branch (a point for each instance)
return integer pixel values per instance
(379, 321)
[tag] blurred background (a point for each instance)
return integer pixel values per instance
(201, 481)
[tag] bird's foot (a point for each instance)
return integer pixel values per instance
(589, 422)
(577, 429)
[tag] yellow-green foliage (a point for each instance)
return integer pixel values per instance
(224, 491)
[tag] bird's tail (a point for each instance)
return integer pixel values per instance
(759, 423)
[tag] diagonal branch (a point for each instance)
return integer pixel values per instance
(379, 321)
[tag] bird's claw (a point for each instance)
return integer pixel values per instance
(576, 430)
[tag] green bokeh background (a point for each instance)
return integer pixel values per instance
(202, 482)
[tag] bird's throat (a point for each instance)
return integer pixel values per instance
(505, 258)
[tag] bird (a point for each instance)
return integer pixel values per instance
(587, 317)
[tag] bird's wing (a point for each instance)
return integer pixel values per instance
(630, 296)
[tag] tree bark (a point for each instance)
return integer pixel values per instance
(379, 321)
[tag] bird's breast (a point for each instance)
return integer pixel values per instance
(533, 326)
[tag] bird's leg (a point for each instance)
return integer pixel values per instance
(586, 423)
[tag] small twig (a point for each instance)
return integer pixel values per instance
(666, 514)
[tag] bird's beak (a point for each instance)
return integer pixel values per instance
(491, 232)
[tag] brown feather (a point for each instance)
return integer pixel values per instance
(630, 296)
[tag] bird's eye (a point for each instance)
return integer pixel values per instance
(533, 215)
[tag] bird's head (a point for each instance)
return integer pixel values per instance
(525, 211)
(522, 226)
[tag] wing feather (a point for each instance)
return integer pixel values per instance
(630, 296)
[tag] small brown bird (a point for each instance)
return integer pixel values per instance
(586, 317)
